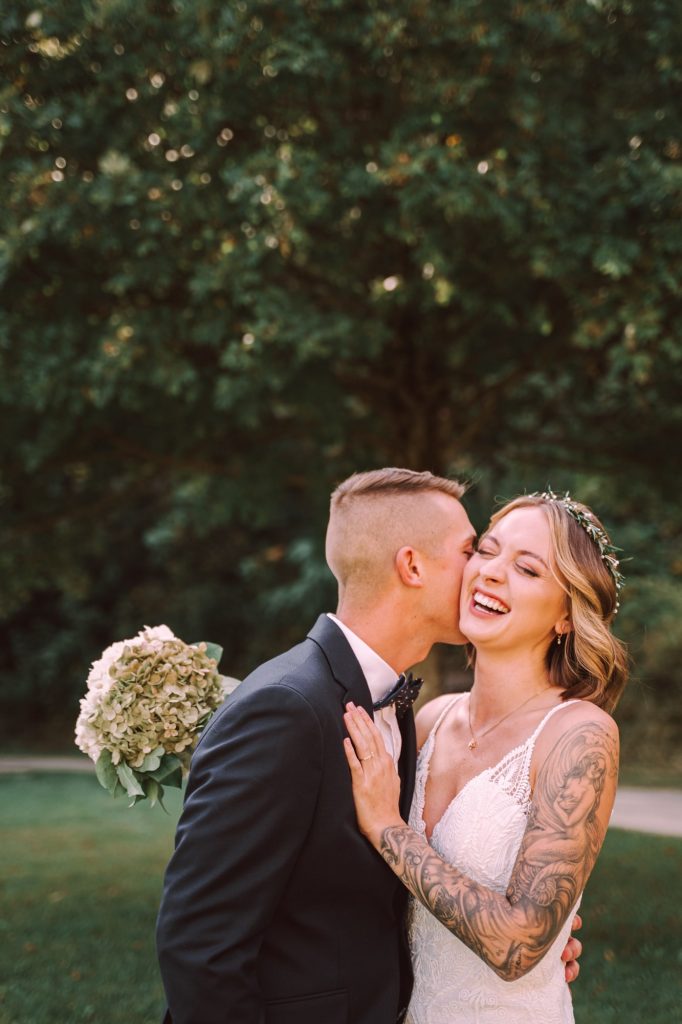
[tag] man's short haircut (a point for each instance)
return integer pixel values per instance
(394, 481)
(374, 514)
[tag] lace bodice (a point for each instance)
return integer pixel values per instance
(480, 833)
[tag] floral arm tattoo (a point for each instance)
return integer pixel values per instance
(512, 931)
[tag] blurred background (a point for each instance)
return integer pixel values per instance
(251, 247)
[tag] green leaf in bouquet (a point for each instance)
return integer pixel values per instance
(153, 790)
(106, 773)
(169, 765)
(129, 780)
(214, 651)
(152, 761)
(174, 780)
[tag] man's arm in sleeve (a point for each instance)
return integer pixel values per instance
(250, 802)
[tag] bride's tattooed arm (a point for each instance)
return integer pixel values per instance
(569, 814)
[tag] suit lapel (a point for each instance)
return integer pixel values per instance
(343, 664)
(349, 677)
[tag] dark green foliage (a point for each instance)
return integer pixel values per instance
(251, 247)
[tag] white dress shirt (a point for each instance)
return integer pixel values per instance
(381, 678)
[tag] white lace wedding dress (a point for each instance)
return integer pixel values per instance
(480, 833)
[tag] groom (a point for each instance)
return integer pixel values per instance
(275, 909)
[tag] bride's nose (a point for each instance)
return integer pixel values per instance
(493, 569)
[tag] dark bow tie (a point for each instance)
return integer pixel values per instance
(403, 695)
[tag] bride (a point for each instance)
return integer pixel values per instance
(516, 780)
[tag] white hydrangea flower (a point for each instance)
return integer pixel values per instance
(147, 698)
(100, 681)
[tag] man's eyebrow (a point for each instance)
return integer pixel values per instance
(532, 554)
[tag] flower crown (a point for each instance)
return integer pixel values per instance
(594, 531)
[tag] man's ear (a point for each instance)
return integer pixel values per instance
(409, 567)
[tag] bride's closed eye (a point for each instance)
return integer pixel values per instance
(525, 569)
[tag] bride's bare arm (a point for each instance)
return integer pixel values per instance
(569, 814)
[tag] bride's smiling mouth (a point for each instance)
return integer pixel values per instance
(486, 604)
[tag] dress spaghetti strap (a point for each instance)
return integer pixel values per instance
(552, 711)
(444, 713)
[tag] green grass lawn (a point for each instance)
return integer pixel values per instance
(632, 965)
(81, 877)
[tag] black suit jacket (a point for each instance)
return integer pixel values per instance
(275, 909)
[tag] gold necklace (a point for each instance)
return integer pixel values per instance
(473, 742)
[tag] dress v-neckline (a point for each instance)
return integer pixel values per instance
(428, 751)
(459, 792)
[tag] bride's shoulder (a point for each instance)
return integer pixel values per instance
(586, 713)
(581, 719)
(428, 715)
(577, 752)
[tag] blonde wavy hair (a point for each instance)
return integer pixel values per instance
(592, 663)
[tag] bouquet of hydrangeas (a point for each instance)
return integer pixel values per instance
(147, 701)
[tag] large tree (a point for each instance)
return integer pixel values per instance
(250, 247)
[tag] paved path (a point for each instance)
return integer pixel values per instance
(12, 765)
(648, 810)
(641, 810)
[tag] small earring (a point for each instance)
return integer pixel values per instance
(558, 639)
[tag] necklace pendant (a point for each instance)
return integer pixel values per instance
(472, 744)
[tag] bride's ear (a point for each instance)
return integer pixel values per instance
(563, 627)
(409, 567)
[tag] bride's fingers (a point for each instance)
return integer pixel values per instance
(369, 722)
(357, 738)
(571, 971)
(357, 727)
(362, 732)
(573, 949)
(368, 727)
(352, 758)
(361, 743)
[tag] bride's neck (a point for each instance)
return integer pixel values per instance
(504, 679)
